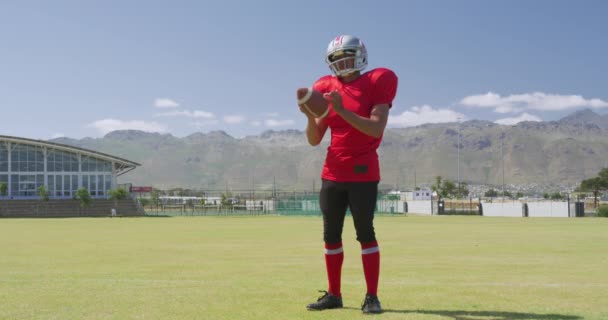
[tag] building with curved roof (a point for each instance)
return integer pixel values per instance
(27, 164)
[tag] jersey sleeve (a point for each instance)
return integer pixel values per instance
(385, 87)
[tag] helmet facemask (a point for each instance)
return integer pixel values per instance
(345, 55)
(342, 62)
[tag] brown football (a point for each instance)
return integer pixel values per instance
(313, 101)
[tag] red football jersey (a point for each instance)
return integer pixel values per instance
(351, 155)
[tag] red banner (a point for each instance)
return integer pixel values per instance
(141, 189)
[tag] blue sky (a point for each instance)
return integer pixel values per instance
(84, 68)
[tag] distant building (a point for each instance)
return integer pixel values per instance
(27, 164)
(422, 194)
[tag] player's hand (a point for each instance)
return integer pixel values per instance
(306, 112)
(335, 99)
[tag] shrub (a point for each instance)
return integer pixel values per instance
(83, 195)
(144, 201)
(43, 193)
(3, 188)
(602, 211)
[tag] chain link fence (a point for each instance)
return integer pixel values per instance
(246, 202)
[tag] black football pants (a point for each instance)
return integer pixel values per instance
(360, 197)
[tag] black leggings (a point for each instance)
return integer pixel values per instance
(360, 197)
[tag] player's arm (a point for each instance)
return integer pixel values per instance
(315, 129)
(372, 126)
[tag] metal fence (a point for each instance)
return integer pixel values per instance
(295, 202)
(247, 202)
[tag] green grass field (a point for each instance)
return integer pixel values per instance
(270, 267)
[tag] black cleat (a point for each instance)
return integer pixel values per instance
(371, 304)
(327, 301)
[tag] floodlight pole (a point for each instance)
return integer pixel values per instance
(502, 153)
(458, 158)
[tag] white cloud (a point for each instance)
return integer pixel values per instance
(530, 101)
(515, 120)
(256, 123)
(106, 125)
(165, 103)
(271, 114)
(187, 113)
(425, 114)
(278, 123)
(234, 119)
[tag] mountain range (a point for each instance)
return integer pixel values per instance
(478, 152)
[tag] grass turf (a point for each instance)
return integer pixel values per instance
(269, 267)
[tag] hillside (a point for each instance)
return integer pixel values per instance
(564, 151)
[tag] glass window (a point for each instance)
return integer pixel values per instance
(26, 158)
(26, 185)
(4, 179)
(58, 185)
(14, 184)
(93, 184)
(85, 182)
(95, 165)
(3, 158)
(66, 185)
(100, 184)
(74, 183)
(61, 161)
(51, 181)
(108, 182)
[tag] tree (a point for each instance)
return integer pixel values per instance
(444, 188)
(449, 188)
(596, 185)
(83, 195)
(43, 193)
(144, 201)
(602, 211)
(117, 194)
(437, 186)
(519, 195)
(556, 196)
(491, 193)
(155, 197)
(546, 195)
(3, 188)
(462, 191)
(227, 199)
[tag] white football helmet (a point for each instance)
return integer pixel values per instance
(346, 54)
